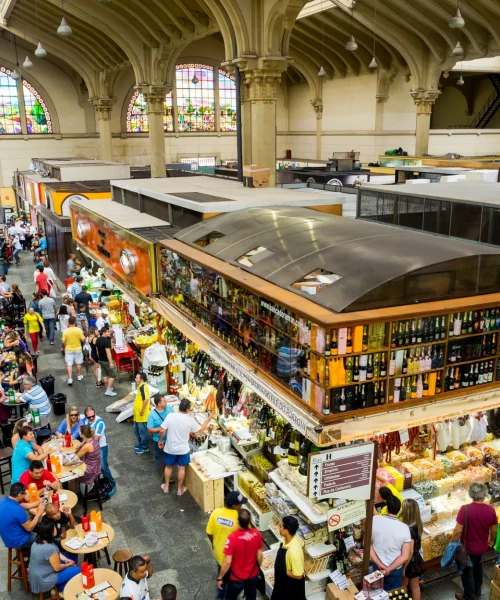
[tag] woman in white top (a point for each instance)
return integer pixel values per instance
(47, 269)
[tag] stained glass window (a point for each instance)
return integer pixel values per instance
(10, 113)
(137, 115)
(195, 101)
(227, 102)
(37, 115)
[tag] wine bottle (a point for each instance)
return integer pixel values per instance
(342, 402)
(369, 367)
(487, 320)
(407, 333)
(365, 338)
(453, 356)
(456, 379)
(349, 341)
(383, 367)
(294, 448)
(442, 333)
(430, 331)
(414, 331)
(471, 376)
(463, 328)
(493, 345)
(428, 360)
(425, 389)
(490, 371)
(351, 397)
(305, 450)
(481, 321)
(327, 345)
(381, 393)
(450, 326)
(334, 348)
(375, 394)
(413, 387)
(397, 390)
(408, 388)
(481, 374)
(392, 364)
(394, 336)
(420, 387)
(362, 396)
(404, 366)
(355, 371)
(425, 333)
(419, 331)
(439, 385)
(475, 325)
(326, 403)
(402, 391)
(465, 379)
(470, 323)
(437, 330)
(400, 339)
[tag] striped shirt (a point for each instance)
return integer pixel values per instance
(37, 398)
(99, 427)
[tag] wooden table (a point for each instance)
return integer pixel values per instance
(71, 502)
(66, 469)
(89, 552)
(50, 446)
(75, 586)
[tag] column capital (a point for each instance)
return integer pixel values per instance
(424, 100)
(261, 85)
(103, 107)
(155, 97)
(317, 104)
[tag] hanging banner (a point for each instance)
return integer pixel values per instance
(343, 473)
(346, 514)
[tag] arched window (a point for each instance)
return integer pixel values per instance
(195, 101)
(37, 115)
(137, 115)
(227, 101)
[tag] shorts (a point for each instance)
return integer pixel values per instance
(107, 371)
(181, 460)
(73, 357)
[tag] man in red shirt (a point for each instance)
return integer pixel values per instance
(476, 528)
(42, 281)
(39, 475)
(243, 555)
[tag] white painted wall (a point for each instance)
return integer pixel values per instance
(399, 108)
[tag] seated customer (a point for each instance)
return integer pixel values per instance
(63, 520)
(71, 421)
(35, 396)
(25, 451)
(16, 530)
(48, 567)
(15, 432)
(39, 475)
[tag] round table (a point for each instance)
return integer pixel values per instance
(89, 551)
(67, 469)
(71, 502)
(44, 421)
(75, 586)
(50, 446)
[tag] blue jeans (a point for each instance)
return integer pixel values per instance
(29, 542)
(393, 580)
(65, 575)
(105, 467)
(234, 588)
(16, 255)
(50, 327)
(141, 433)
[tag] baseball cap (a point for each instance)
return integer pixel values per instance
(235, 498)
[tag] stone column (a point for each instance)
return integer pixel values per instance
(103, 109)
(379, 111)
(154, 95)
(424, 101)
(318, 109)
(259, 119)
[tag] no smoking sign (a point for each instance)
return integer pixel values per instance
(345, 514)
(334, 521)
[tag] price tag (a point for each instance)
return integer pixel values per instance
(403, 436)
(349, 542)
(339, 580)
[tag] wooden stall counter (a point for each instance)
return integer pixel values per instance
(209, 493)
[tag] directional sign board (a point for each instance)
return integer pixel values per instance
(343, 473)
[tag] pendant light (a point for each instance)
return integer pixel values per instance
(374, 64)
(322, 72)
(40, 51)
(457, 22)
(15, 75)
(27, 64)
(460, 80)
(195, 80)
(351, 44)
(64, 30)
(458, 50)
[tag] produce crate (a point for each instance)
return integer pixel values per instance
(209, 493)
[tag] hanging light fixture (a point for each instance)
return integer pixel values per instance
(27, 64)
(195, 80)
(15, 75)
(458, 50)
(40, 51)
(374, 64)
(460, 80)
(322, 72)
(351, 44)
(64, 30)
(457, 22)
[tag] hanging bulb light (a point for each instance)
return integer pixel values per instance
(373, 65)
(27, 64)
(40, 51)
(460, 80)
(15, 75)
(458, 50)
(322, 72)
(351, 44)
(195, 80)
(457, 22)
(64, 30)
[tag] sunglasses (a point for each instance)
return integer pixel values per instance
(74, 415)
(89, 417)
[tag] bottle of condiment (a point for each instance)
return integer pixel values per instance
(67, 440)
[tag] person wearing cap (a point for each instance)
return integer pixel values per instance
(155, 419)
(222, 522)
(102, 319)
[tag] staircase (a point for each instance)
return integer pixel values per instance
(488, 111)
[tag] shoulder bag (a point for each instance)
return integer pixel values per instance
(416, 566)
(461, 557)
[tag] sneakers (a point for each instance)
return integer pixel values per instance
(70, 382)
(80, 377)
(110, 393)
(99, 384)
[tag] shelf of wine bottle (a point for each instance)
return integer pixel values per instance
(417, 332)
(469, 375)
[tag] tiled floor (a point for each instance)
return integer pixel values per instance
(170, 529)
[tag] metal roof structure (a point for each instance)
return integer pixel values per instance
(375, 265)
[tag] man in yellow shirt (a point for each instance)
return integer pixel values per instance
(289, 579)
(72, 341)
(222, 522)
(142, 406)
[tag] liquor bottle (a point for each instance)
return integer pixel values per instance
(365, 338)
(419, 331)
(294, 448)
(305, 450)
(376, 365)
(451, 382)
(413, 387)
(457, 324)
(404, 366)
(430, 331)
(421, 361)
(442, 332)
(481, 374)
(450, 326)
(408, 388)
(369, 367)
(470, 323)
(453, 356)
(381, 393)
(425, 333)
(392, 364)
(428, 360)
(493, 345)
(463, 328)
(475, 325)
(413, 338)
(349, 341)
(351, 396)
(402, 391)
(394, 336)
(407, 333)
(490, 371)
(362, 396)
(334, 348)
(342, 402)
(456, 379)
(465, 379)
(481, 321)
(487, 320)
(401, 335)
(326, 403)
(420, 387)
(383, 367)
(327, 345)
(355, 371)
(459, 355)
(440, 358)
(437, 330)
(439, 385)
(397, 390)
(375, 394)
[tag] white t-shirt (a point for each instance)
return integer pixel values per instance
(17, 243)
(12, 230)
(178, 427)
(101, 322)
(388, 537)
(136, 591)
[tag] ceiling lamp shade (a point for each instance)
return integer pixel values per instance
(40, 51)
(460, 80)
(322, 72)
(457, 22)
(64, 30)
(351, 44)
(195, 80)
(373, 65)
(458, 50)
(27, 64)
(15, 75)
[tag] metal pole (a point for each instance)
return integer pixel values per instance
(239, 138)
(370, 505)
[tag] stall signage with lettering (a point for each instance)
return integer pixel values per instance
(346, 514)
(343, 473)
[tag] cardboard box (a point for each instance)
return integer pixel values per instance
(496, 576)
(256, 176)
(333, 592)
(495, 589)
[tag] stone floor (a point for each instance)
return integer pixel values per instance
(170, 529)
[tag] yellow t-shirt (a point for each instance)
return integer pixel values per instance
(73, 339)
(395, 493)
(138, 403)
(222, 522)
(295, 556)
(32, 321)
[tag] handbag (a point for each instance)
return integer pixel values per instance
(416, 566)
(461, 557)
